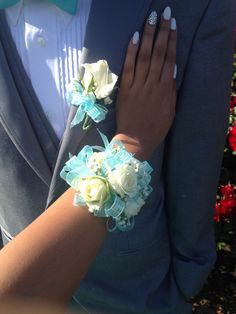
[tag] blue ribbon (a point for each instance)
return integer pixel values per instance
(114, 207)
(87, 105)
(76, 169)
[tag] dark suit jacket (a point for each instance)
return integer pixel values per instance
(169, 253)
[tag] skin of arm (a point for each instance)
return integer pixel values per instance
(62, 234)
(21, 307)
(49, 258)
(54, 251)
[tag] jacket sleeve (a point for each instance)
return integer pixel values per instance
(195, 144)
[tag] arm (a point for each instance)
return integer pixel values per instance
(55, 251)
(59, 245)
(194, 148)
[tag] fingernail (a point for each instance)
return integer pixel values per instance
(173, 24)
(152, 19)
(135, 38)
(175, 72)
(167, 13)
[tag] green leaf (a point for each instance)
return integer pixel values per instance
(221, 245)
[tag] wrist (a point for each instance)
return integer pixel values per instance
(132, 145)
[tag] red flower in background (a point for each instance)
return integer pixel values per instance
(232, 138)
(227, 202)
(232, 102)
(227, 191)
(226, 198)
(224, 207)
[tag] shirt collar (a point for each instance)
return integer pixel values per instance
(14, 13)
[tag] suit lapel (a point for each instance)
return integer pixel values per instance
(20, 112)
(16, 124)
(108, 34)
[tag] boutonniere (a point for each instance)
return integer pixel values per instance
(91, 93)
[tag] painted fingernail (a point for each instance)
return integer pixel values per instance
(175, 72)
(173, 25)
(167, 13)
(135, 38)
(152, 19)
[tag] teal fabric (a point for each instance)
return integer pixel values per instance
(69, 6)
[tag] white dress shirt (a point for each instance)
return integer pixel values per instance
(49, 42)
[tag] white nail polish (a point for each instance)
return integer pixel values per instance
(135, 38)
(167, 13)
(175, 72)
(152, 19)
(173, 25)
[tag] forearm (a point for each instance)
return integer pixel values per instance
(50, 257)
(55, 251)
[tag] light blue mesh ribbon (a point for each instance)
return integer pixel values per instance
(87, 105)
(77, 168)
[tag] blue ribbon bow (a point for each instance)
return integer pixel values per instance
(87, 105)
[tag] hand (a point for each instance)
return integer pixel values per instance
(147, 96)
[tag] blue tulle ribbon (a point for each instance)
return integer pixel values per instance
(87, 105)
(77, 168)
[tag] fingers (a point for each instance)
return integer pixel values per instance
(129, 65)
(169, 69)
(145, 51)
(153, 59)
(160, 46)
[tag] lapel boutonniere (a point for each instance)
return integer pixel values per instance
(91, 93)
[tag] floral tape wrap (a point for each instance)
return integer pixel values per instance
(110, 181)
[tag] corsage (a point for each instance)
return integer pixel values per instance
(91, 93)
(110, 182)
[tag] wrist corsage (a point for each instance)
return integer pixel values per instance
(91, 93)
(109, 181)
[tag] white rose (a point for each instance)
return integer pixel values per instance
(94, 190)
(123, 180)
(99, 74)
(133, 206)
(96, 160)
